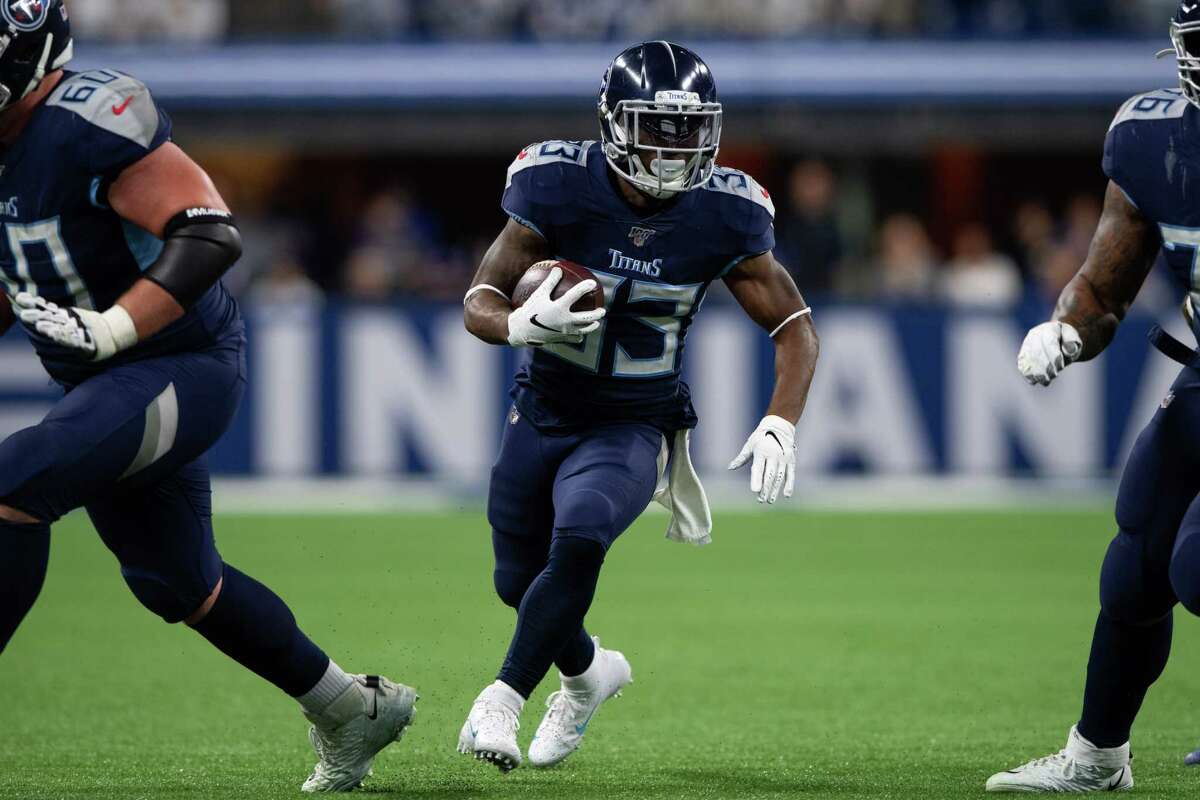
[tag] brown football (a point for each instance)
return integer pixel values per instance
(573, 275)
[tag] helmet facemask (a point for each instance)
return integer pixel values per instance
(664, 147)
(1185, 41)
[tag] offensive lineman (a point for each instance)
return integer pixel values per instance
(114, 249)
(1154, 561)
(600, 408)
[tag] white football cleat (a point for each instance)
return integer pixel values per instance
(490, 732)
(1078, 767)
(372, 713)
(572, 707)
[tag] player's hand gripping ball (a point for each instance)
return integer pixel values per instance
(1047, 351)
(555, 301)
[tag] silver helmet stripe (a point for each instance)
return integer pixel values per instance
(671, 53)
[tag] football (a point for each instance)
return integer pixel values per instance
(573, 275)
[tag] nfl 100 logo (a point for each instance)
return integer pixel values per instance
(639, 236)
(25, 15)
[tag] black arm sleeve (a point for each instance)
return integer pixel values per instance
(200, 246)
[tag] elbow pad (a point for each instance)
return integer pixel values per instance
(200, 246)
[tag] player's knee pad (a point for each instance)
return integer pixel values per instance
(512, 584)
(169, 600)
(588, 513)
(1129, 593)
(581, 557)
(520, 558)
(1185, 574)
(29, 459)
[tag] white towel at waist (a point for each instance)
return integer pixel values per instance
(680, 492)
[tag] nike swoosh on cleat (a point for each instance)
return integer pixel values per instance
(121, 109)
(581, 729)
(374, 709)
(1115, 783)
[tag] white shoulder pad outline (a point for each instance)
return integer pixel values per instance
(554, 151)
(736, 182)
(111, 100)
(1157, 105)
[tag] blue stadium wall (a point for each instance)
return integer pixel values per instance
(406, 392)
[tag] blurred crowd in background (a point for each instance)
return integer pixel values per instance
(550, 20)
(409, 238)
(389, 245)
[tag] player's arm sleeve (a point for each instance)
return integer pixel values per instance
(760, 235)
(1118, 158)
(752, 226)
(522, 199)
(110, 128)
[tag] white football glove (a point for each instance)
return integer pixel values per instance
(1047, 351)
(543, 320)
(773, 446)
(96, 336)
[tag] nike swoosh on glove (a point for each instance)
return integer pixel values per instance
(544, 320)
(96, 336)
(773, 448)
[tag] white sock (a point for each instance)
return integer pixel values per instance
(328, 689)
(500, 692)
(1085, 752)
(588, 680)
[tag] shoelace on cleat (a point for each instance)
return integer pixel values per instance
(1060, 756)
(563, 710)
(333, 760)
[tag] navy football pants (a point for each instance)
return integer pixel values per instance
(129, 446)
(557, 503)
(1151, 565)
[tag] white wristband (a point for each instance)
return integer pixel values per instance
(804, 313)
(483, 287)
(120, 324)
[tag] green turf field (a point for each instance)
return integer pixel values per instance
(839, 656)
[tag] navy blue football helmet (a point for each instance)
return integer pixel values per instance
(660, 120)
(1185, 39)
(35, 38)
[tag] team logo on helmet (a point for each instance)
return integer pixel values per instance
(25, 15)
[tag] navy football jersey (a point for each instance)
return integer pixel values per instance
(58, 238)
(1153, 153)
(655, 271)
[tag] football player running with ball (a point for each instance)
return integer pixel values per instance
(114, 246)
(1153, 564)
(600, 422)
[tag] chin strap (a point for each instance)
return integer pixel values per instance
(40, 73)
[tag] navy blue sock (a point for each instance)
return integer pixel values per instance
(251, 625)
(1126, 659)
(552, 612)
(576, 656)
(24, 556)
